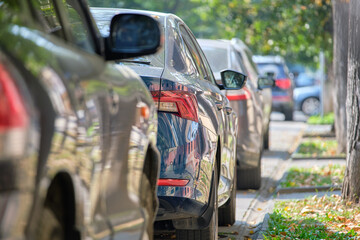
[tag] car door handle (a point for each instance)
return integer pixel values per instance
(219, 105)
(229, 110)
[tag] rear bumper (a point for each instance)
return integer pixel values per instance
(186, 153)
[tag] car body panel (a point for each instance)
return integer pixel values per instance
(188, 148)
(84, 137)
(253, 112)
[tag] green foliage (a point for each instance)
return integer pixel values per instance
(296, 29)
(326, 119)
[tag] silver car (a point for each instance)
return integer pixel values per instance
(252, 105)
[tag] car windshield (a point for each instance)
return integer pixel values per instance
(277, 69)
(103, 18)
(217, 58)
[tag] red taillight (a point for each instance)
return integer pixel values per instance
(172, 182)
(283, 83)
(242, 94)
(180, 103)
(12, 110)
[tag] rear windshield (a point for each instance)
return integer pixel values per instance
(277, 69)
(217, 58)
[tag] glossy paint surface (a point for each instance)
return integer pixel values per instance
(188, 148)
(87, 131)
(253, 106)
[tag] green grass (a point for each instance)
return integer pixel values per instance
(317, 147)
(317, 119)
(331, 174)
(327, 217)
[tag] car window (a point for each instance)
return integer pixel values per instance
(251, 71)
(50, 18)
(275, 68)
(193, 52)
(179, 56)
(80, 30)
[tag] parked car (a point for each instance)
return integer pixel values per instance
(197, 130)
(307, 94)
(282, 92)
(77, 133)
(252, 105)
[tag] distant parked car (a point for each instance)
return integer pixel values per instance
(307, 94)
(282, 92)
(197, 130)
(78, 149)
(252, 105)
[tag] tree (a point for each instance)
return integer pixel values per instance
(351, 185)
(341, 23)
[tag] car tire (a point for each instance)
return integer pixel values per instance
(49, 226)
(249, 178)
(211, 232)
(289, 114)
(266, 138)
(311, 106)
(147, 202)
(227, 212)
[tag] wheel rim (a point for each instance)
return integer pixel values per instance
(311, 106)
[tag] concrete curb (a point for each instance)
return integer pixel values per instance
(319, 158)
(308, 189)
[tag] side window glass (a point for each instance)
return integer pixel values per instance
(50, 18)
(79, 28)
(192, 51)
(179, 57)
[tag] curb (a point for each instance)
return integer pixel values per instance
(309, 189)
(319, 158)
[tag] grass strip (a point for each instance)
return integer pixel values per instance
(317, 147)
(327, 217)
(326, 119)
(331, 174)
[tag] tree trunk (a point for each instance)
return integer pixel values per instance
(351, 185)
(341, 22)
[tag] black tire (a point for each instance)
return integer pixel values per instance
(147, 202)
(49, 226)
(249, 178)
(289, 114)
(266, 138)
(211, 232)
(227, 212)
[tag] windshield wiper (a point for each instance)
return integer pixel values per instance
(133, 61)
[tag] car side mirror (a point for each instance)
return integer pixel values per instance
(265, 82)
(132, 35)
(232, 80)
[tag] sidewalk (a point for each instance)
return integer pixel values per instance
(281, 194)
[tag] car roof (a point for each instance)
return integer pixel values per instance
(106, 12)
(215, 43)
(268, 59)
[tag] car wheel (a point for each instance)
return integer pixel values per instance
(266, 138)
(49, 226)
(211, 232)
(147, 202)
(310, 106)
(289, 114)
(249, 178)
(227, 212)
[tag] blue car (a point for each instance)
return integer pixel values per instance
(307, 94)
(196, 130)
